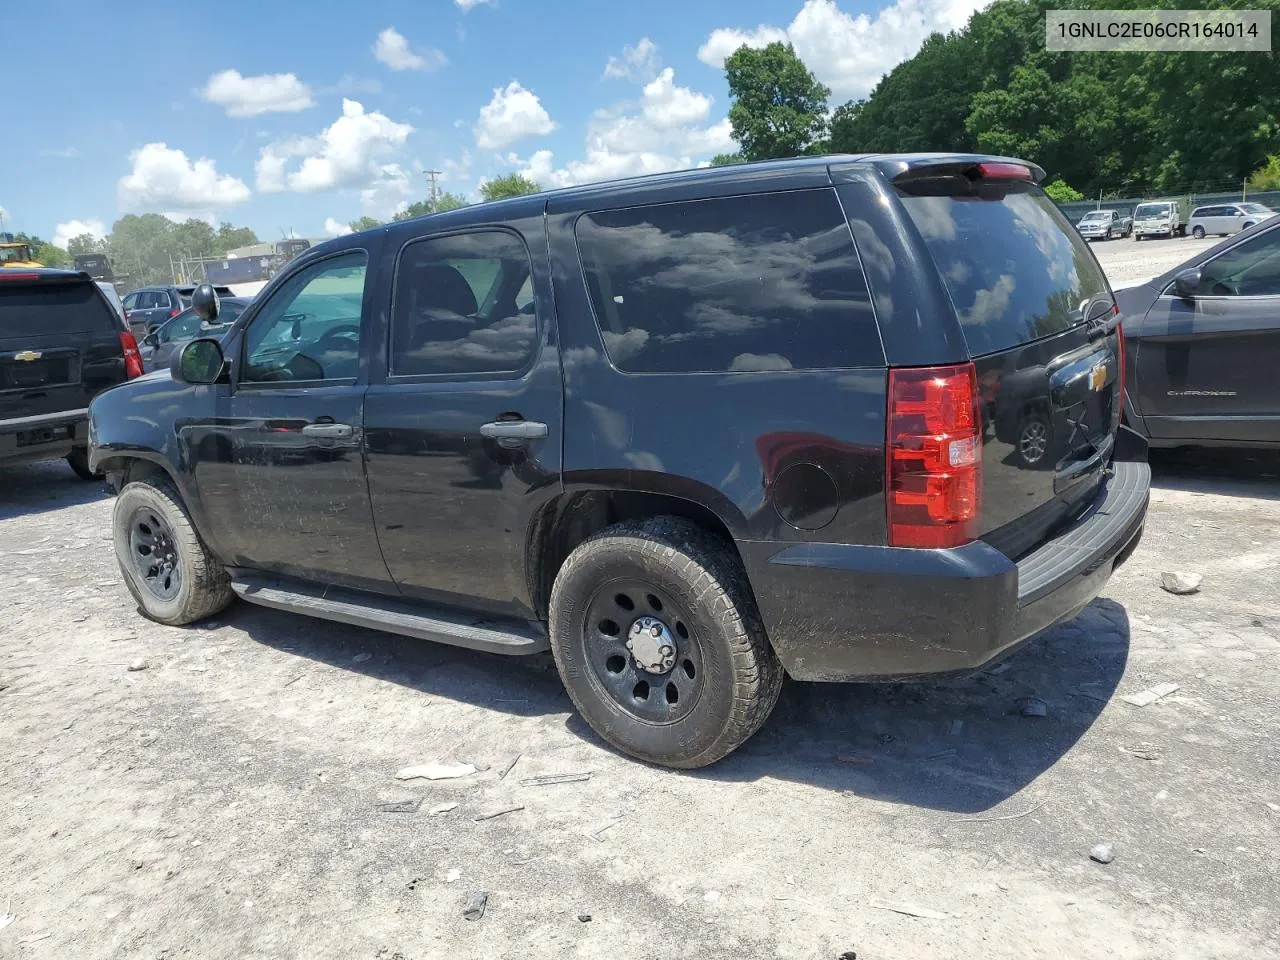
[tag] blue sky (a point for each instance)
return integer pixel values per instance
(264, 115)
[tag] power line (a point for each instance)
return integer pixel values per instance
(434, 192)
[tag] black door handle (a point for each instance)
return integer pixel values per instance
(513, 433)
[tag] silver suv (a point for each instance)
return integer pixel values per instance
(1226, 219)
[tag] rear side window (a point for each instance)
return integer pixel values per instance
(753, 283)
(39, 309)
(1015, 269)
(463, 305)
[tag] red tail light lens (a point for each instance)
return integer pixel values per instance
(174, 312)
(934, 456)
(1004, 171)
(132, 358)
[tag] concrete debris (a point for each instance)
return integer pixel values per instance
(6, 919)
(362, 657)
(1033, 707)
(1273, 807)
(510, 766)
(453, 876)
(137, 665)
(403, 806)
(476, 902)
(1145, 698)
(1102, 853)
(555, 778)
(501, 811)
(907, 910)
(436, 771)
(1180, 582)
(1143, 752)
(584, 918)
(444, 807)
(35, 938)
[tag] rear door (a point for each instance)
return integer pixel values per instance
(1022, 284)
(1207, 367)
(463, 420)
(59, 345)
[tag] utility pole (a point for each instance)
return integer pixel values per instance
(433, 194)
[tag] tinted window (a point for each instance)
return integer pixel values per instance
(1249, 269)
(761, 282)
(1145, 211)
(463, 304)
(1015, 270)
(131, 301)
(310, 328)
(36, 309)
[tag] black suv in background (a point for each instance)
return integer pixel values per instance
(690, 432)
(61, 343)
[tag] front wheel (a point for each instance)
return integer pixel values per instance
(166, 565)
(659, 644)
(1198, 233)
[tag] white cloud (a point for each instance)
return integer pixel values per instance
(392, 48)
(4, 215)
(352, 152)
(664, 130)
(387, 193)
(163, 179)
(637, 63)
(468, 5)
(252, 96)
(512, 114)
(64, 233)
(60, 153)
(847, 53)
(335, 229)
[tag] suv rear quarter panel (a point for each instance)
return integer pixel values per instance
(723, 440)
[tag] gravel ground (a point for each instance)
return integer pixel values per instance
(223, 802)
(1130, 261)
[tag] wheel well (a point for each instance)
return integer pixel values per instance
(123, 470)
(571, 518)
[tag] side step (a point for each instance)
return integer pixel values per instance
(391, 615)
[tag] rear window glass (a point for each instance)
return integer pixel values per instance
(38, 309)
(754, 283)
(1015, 268)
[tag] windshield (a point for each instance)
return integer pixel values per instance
(1015, 268)
(1255, 208)
(1148, 210)
(1096, 215)
(14, 254)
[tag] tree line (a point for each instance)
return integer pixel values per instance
(499, 188)
(1123, 123)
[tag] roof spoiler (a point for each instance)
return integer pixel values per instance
(972, 166)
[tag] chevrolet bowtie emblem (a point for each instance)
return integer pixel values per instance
(1098, 377)
(28, 355)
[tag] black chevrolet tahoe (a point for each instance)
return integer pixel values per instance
(61, 343)
(689, 432)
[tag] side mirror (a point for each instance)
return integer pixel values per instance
(151, 340)
(200, 361)
(1187, 283)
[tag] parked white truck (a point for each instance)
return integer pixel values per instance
(1159, 218)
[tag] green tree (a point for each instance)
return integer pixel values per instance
(511, 185)
(139, 248)
(51, 256)
(364, 223)
(192, 238)
(231, 237)
(86, 243)
(779, 108)
(1062, 192)
(726, 159)
(1267, 177)
(442, 204)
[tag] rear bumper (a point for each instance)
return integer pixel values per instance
(842, 612)
(47, 436)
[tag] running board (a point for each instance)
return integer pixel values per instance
(391, 615)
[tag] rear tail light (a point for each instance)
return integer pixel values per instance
(934, 456)
(132, 358)
(174, 312)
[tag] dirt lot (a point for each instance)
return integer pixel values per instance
(223, 802)
(1132, 261)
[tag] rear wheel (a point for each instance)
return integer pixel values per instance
(166, 566)
(659, 643)
(1198, 233)
(79, 462)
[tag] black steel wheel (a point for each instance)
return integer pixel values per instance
(659, 643)
(165, 564)
(642, 652)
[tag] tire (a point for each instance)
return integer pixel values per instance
(1035, 438)
(1198, 233)
(725, 676)
(78, 459)
(197, 585)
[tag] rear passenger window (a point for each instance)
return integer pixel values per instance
(463, 305)
(754, 283)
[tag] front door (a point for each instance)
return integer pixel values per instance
(463, 421)
(281, 471)
(1207, 367)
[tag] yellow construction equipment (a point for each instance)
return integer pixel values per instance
(16, 254)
